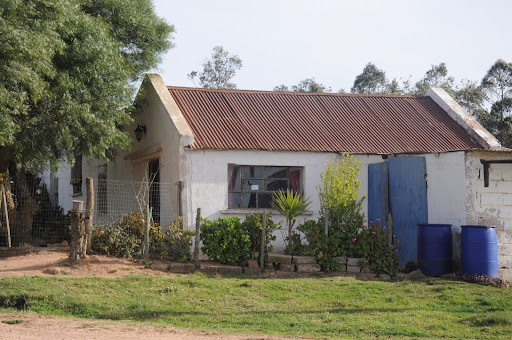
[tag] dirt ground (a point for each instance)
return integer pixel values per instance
(32, 326)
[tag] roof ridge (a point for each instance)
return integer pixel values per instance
(186, 88)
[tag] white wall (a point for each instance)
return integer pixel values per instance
(492, 205)
(208, 182)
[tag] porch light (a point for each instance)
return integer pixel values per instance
(138, 132)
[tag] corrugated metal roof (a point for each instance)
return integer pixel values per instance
(262, 120)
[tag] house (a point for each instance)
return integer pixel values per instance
(226, 151)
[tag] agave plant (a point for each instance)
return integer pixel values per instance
(291, 204)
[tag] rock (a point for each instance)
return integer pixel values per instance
(353, 261)
(229, 270)
(65, 243)
(51, 271)
(308, 268)
(353, 269)
(384, 277)
(252, 271)
(287, 267)
(450, 275)
(210, 270)
(252, 264)
(417, 274)
(304, 260)
(182, 268)
(340, 259)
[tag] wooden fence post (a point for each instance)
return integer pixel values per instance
(146, 235)
(196, 238)
(263, 236)
(78, 240)
(89, 212)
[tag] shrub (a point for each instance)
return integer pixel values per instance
(225, 240)
(253, 225)
(380, 256)
(178, 241)
(230, 241)
(318, 246)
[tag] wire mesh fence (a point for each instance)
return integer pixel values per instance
(38, 209)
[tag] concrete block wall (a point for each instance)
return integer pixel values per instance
(492, 205)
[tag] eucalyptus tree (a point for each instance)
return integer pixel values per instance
(218, 71)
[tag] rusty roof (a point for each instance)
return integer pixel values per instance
(293, 121)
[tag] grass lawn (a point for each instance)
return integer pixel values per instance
(331, 307)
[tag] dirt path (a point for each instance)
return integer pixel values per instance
(53, 264)
(45, 327)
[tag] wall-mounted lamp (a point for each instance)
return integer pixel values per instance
(138, 132)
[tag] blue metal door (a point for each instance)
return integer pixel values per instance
(408, 203)
(378, 198)
(399, 187)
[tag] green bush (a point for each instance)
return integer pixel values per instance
(126, 239)
(123, 239)
(253, 224)
(230, 241)
(178, 242)
(225, 240)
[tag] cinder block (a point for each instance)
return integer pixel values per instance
(505, 187)
(353, 269)
(504, 236)
(229, 270)
(287, 267)
(505, 260)
(340, 259)
(182, 268)
(493, 199)
(366, 270)
(252, 264)
(342, 268)
(353, 261)
(304, 260)
(210, 270)
(285, 259)
(505, 212)
(252, 271)
(505, 274)
(308, 268)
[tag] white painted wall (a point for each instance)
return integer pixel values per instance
(492, 205)
(208, 181)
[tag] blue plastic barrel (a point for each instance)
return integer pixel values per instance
(434, 248)
(479, 250)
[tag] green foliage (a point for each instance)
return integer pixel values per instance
(306, 85)
(322, 248)
(381, 257)
(291, 204)
(66, 75)
(253, 226)
(338, 192)
(437, 76)
(230, 241)
(178, 241)
(126, 239)
(371, 80)
(218, 70)
(225, 240)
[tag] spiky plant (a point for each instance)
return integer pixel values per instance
(291, 204)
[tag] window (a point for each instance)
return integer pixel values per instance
(76, 175)
(253, 186)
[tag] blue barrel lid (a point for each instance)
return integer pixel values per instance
(433, 225)
(478, 226)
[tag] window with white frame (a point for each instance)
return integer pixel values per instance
(252, 186)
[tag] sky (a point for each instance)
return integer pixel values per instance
(285, 41)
